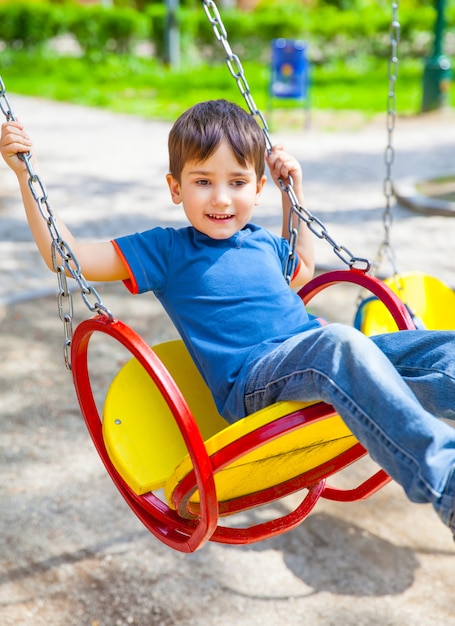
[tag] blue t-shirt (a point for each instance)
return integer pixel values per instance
(227, 298)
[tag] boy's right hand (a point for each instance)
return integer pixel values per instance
(14, 140)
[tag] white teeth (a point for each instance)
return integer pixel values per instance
(220, 217)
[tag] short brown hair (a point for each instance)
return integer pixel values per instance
(198, 132)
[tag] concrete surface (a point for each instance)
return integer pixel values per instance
(71, 552)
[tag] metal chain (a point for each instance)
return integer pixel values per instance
(386, 248)
(303, 214)
(63, 260)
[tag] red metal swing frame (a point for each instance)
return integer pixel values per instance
(186, 528)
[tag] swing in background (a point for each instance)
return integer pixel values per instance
(429, 301)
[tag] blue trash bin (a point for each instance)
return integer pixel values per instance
(290, 69)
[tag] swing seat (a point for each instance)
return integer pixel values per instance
(161, 432)
(430, 301)
(140, 435)
(277, 451)
(145, 446)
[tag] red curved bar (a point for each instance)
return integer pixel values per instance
(163, 522)
(396, 307)
(361, 492)
(271, 528)
(245, 444)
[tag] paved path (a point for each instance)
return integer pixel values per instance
(105, 174)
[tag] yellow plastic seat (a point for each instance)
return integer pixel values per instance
(431, 301)
(311, 452)
(147, 449)
(140, 434)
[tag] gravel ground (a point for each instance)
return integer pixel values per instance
(73, 554)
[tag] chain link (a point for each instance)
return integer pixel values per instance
(314, 224)
(5, 104)
(386, 248)
(64, 262)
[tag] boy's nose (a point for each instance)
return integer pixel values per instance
(221, 197)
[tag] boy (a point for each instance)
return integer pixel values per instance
(221, 282)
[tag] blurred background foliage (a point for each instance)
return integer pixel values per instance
(114, 53)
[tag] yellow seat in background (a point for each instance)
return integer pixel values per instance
(430, 300)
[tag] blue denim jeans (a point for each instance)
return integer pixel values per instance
(390, 391)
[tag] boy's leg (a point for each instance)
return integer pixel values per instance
(341, 366)
(426, 361)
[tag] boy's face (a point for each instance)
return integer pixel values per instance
(218, 194)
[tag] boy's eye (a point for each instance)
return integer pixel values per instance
(202, 182)
(238, 183)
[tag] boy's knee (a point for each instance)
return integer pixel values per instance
(347, 342)
(340, 334)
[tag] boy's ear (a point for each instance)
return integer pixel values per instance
(260, 187)
(174, 188)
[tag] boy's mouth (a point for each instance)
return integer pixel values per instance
(220, 218)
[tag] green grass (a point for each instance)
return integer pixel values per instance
(144, 87)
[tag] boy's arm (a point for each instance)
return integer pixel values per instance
(283, 165)
(98, 261)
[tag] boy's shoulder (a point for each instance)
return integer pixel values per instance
(264, 234)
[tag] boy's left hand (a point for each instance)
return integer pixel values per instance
(283, 165)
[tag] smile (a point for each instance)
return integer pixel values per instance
(220, 217)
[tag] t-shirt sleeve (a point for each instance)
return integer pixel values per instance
(147, 257)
